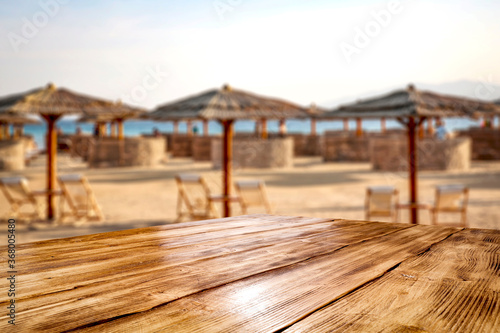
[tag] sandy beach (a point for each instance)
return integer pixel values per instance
(139, 197)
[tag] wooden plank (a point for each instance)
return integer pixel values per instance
(454, 287)
(273, 300)
(57, 262)
(104, 242)
(163, 279)
(62, 272)
(59, 253)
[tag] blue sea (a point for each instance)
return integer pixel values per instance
(138, 127)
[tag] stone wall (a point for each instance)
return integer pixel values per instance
(341, 146)
(12, 155)
(202, 147)
(306, 144)
(485, 143)
(81, 145)
(163, 136)
(168, 138)
(345, 146)
(182, 145)
(111, 152)
(256, 153)
(391, 154)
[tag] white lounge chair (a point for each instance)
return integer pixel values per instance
(381, 201)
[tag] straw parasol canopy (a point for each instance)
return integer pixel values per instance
(16, 119)
(52, 103)
(411, 106)
(227, 105)
(411, 102)
(110, 112)
(112, 115)
(118, 113)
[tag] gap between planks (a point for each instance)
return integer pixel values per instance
(324, 254)
(375, 278)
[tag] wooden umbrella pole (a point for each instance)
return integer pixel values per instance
(430, 129)
(359, 127)
(346, 124)
(413, 169)
(205, 127)
(282, 127)
(102, 129)
(421, 131)
(18, 131)
(51, 163)
(7, 131)
(227, 164)
(121, 136)
(264, 129)
(382, 125)
(113, 129)
(313, 126)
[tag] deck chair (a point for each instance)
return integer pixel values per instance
(451, 199)
(77, 200)
(381, 201)
(252, 193)
(19, 196)
(194, 200)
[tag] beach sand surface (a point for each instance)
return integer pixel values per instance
(140, 197)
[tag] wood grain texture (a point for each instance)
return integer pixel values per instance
(277, 298)
(261, 273)
(83, 280)
(453, 287)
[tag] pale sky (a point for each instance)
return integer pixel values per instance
(152, 52)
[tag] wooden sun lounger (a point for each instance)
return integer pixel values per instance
(79, 198)
(19, 195)
(194, 199)
(381, 201)
(451, 199)
(252, 193)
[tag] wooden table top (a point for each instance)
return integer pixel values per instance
(260, 273)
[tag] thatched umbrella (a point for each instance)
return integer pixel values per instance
(313, 113)
(17, 120)
(52, 103)
(411, 107)
(118, 114)
(227, 105)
